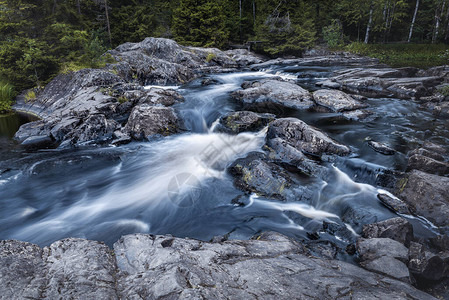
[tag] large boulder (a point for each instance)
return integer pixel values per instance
(275, 92)
(428, 164)
(427, 195)
(305, 138)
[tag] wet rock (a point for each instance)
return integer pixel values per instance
(425, 264)
(281, 152)
(32, 129)
(240, 121)
(357, 115)
(275, 92)
(381, 148)
(385, 256)
(427, 195)
(428, 153)
(256, 174)
(337, 101)
(404, 83)
(305, 138)
(434, 147)
(439, 109)
(244, 57)
(152, 267)
(209, 81)
(329, 84)
(394, 203)
(151, 120)
(397, 229)
(428, 164)
(96, 128)
(322, 249)
(38, 142)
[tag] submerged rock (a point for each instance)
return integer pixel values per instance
(427, 194)
(381, 148)
(240, 121)
(275, 92)
(154, 267)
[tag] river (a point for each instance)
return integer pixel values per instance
(179, 185)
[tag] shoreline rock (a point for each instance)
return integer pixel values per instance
(148, 266)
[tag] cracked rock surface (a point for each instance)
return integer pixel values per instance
(142, 266)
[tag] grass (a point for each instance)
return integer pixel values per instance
(7, 94)
(404, 55)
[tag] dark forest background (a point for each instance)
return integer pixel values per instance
(42, 38)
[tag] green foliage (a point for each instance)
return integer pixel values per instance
(6, 96)
(333, 34)
(200, 23)
(287, 29)
(403, 55)
(30, 96)
(122, 99)
(444, 90)
(210, 57)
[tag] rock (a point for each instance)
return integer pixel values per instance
(397, 229)
(151, 120)
(381, 148)
(427, 195)
(38, 142)
(337, 101)
(276, 92)
(281, 152)
(428, 164)
(389, 266)
(32, 129)
(256, 174)
(434, 147)
(404, 83)
(329, 84)
(395, 204)
(440, 109)
(152, 267)
(428, 153)
(425, 264)
(95, 128)
(209, 81)
(244, 57)
(240, 121)
(80, 268)
(373, 248)
(357, 115)
(305, 138)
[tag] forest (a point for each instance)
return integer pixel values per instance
(42, 38)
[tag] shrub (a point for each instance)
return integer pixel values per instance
(210, 57)
(333, 34)
(30, 95)
(6, 96)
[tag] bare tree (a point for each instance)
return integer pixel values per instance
(413, 21)
(370, 22)
(107, 21)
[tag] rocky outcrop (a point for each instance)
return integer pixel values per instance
(404, 83)
(427, 195)
(260, 94)
(240, 121)
(93, 106)
(429, 160)
(158, 267)
(244, 58)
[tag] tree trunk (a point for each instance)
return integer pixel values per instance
(107, 21)
(240, 18)
(254, 12)
(370, 21)
(78, 6)
(413, 22)
(54, 7)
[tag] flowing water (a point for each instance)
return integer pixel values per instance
(179, 185)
